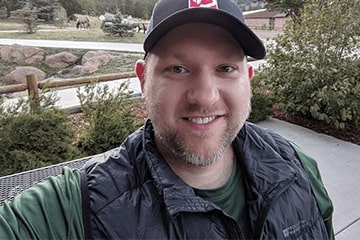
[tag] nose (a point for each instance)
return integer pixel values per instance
(204, 90)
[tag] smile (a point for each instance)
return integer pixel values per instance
(203, 120)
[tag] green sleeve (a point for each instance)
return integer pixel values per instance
(318, 188)
(49, 210)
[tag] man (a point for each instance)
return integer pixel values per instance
(196, 169)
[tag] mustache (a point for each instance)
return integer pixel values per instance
(195, 108)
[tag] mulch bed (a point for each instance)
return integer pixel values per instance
(349, 135)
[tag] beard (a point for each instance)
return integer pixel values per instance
(181, 150)
(177, 147)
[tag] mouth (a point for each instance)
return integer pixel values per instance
(202, 120)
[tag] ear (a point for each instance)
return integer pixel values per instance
(250, 71)
(140, 70)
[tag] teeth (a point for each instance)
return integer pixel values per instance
(204, 120)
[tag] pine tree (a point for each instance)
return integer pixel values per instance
(119, 26)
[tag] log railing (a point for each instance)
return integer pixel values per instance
(32, 85)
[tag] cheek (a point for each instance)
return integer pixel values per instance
(160, 98)
(238, 99)
(241, 92)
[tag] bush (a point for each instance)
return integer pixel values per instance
(313, 67)
(60, 17)
(262, 101)
(34, 134)
(119, 26)
(27, 17)
(109, 116)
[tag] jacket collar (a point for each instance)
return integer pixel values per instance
(178, 196)
(266, 158)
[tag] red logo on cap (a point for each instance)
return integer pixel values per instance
(203, 3)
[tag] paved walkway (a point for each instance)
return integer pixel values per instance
(339, 164)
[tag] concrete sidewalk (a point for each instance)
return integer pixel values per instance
(339, 164)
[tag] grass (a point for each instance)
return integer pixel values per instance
(7, 25)
(11, 29)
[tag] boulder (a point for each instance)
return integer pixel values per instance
(60, 60)
(92, 60)
(22, 54)
(19, 75)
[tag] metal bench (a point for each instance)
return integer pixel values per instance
(12, 185)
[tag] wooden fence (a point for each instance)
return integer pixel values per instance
(32, 84)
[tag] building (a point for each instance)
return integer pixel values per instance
(266, 19)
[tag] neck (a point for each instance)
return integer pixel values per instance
(205, 177)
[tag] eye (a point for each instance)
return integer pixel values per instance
(226, 68)
(178, 69)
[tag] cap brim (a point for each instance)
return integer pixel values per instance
(250, 43)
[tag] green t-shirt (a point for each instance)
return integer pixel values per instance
(231, 197)
(52, 209)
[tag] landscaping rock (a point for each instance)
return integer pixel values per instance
(92, 60)
(61, 60)
(23, 54)
(19, 75)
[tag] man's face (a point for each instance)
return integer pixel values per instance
(196, 87)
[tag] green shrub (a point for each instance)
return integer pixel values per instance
(60, 17)
(119, 27)
(262, 101)
(313, 67)
(27, 17)
(109, 115)
(34, 134)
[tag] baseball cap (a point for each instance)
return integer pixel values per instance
(168, 14)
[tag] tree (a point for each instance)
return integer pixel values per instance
(313, 68)
(119, 26)
(71, 6)
(110, 6)
(27, 17)
(136, 8)
(45, 9)
(11, 5)
(292, 7)
(88, 7)
(60, 17)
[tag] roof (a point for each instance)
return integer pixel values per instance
(265, 13)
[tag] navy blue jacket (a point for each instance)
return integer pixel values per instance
(133, 194)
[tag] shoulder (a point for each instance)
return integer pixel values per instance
(55, 187)
(123, 156)
(119, 170)
(56, 202)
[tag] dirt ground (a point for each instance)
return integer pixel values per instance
(349, 135)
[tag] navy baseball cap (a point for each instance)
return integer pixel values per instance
(168, 14)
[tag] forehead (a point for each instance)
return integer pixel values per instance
(197, 34)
